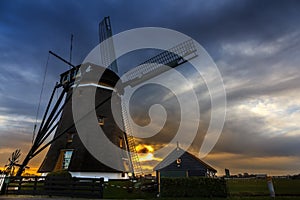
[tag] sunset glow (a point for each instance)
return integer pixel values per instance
(145, 152)
(255, 45)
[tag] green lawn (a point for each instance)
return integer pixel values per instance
(115, 190)
(263, 198)
(244, 189)
(247, 187)
(238, 189)
(287, 187)
(235, 198)
(250, 187)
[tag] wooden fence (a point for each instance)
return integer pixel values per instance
(55, 186)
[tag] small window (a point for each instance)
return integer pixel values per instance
(101, 121)
(65, 78)
(70, 137)
(121, 142)
(178, 161)
(67, 159)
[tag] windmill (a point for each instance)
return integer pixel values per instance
(66, 150)
(13, 162)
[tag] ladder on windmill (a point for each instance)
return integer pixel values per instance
(133, 154)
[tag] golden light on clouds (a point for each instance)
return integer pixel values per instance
(30, 171)
(241, 163)
(33, 165)
(144, 148)
(145, 152)
(147, 157)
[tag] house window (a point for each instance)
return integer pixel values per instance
(70, 137)
(101, 120)
(67, 155)
(178, 161)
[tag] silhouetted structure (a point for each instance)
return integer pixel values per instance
(68, 152)
(183, 164)
(227, 173)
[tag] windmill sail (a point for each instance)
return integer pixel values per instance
(151, 68)
(160, 63)
(107, 50)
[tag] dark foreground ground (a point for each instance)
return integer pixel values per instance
(23, 197)
(238, 189)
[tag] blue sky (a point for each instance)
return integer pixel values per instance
(255, 44)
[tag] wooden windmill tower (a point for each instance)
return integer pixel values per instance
(66, 150)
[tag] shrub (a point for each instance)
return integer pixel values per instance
(193, 187)
(58, 177)
(61, 173)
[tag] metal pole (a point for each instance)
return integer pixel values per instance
(46, 112)
(60, 58)
(71, 48)
(54, 118)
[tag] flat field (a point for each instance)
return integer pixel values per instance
(258, 187)
(243, 189)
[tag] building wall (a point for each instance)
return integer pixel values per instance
(82, 160)
(180, 163)
(187, 163)
(106, 175)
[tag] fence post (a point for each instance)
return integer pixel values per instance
(20, 183)
(35, 184)
(2, 183)
(49, 185)
(93, 185)
(101, 187)
(74, 182)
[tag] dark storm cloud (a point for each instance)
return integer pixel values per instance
(215, 23)
(253, 139)
(13, 105)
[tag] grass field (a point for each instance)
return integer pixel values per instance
(236, 198)
(115, 190)
(257, 187)
(238, 189)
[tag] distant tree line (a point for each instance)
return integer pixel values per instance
(296, 176)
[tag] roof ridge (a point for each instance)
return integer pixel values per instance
(170, 155)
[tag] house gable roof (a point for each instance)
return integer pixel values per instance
(193, 163)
